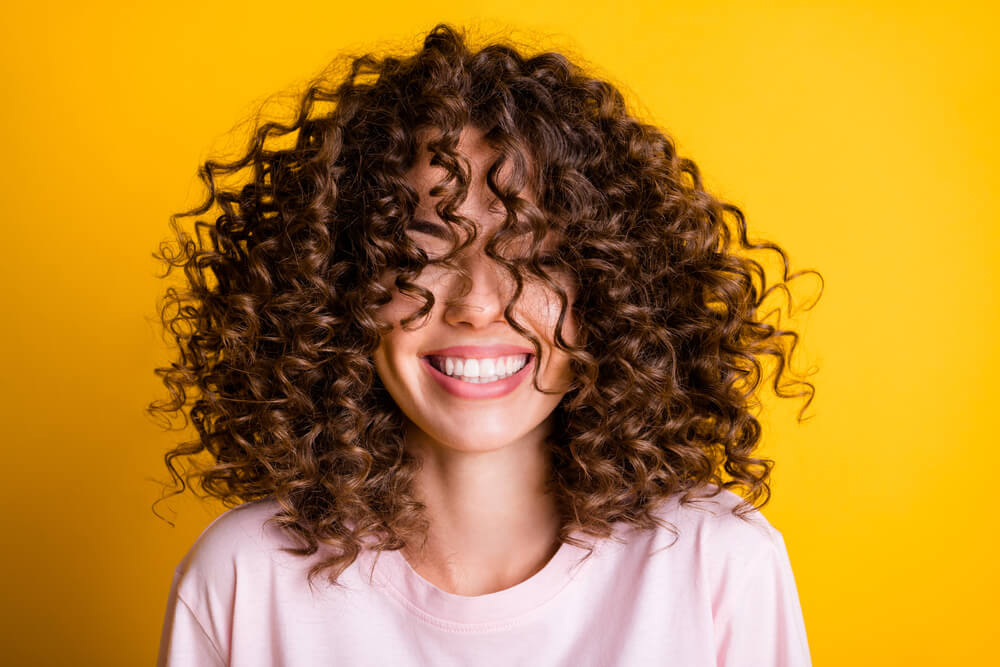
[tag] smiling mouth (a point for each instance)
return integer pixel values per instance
(480, 370)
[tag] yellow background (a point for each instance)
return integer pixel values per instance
(862, 138)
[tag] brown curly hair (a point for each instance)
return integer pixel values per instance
(275, 325)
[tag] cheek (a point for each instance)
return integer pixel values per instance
(544, 306)
(401, 304)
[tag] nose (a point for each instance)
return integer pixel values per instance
(480, 300)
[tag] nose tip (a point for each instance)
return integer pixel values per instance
(478, 298)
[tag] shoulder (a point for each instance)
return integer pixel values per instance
(238, 539)
(236, 530)
(710, 524)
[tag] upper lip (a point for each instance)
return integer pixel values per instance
(479, 351)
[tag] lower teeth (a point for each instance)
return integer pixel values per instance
(477, 380)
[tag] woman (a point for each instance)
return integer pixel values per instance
(472, 343)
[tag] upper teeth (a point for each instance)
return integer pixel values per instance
(481, 370)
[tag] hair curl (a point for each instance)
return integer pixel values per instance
(275, 325)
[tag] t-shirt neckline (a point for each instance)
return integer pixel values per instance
(505, 606)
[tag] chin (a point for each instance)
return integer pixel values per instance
(471, 443)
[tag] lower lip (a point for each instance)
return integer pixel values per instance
(483, 390)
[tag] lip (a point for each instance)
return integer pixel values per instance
(479, 351)
(477, 391)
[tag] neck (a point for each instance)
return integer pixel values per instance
(492, 525)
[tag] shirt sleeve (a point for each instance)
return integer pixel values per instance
(758, 620)
(184, 642)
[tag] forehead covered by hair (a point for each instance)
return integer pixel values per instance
(492, 196)
(480, 163)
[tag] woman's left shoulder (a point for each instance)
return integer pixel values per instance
(711, 523)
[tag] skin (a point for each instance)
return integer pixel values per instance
(484, 461)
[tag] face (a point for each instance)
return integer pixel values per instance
(457, 375)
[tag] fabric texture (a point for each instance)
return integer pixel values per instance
(721, 595)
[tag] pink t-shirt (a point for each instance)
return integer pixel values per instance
(722, 595)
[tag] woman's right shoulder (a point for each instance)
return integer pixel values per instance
(241, 550)
(239, 535)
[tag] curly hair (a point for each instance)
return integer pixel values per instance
(275, 327)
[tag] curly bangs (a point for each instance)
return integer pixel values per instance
(275, 325)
